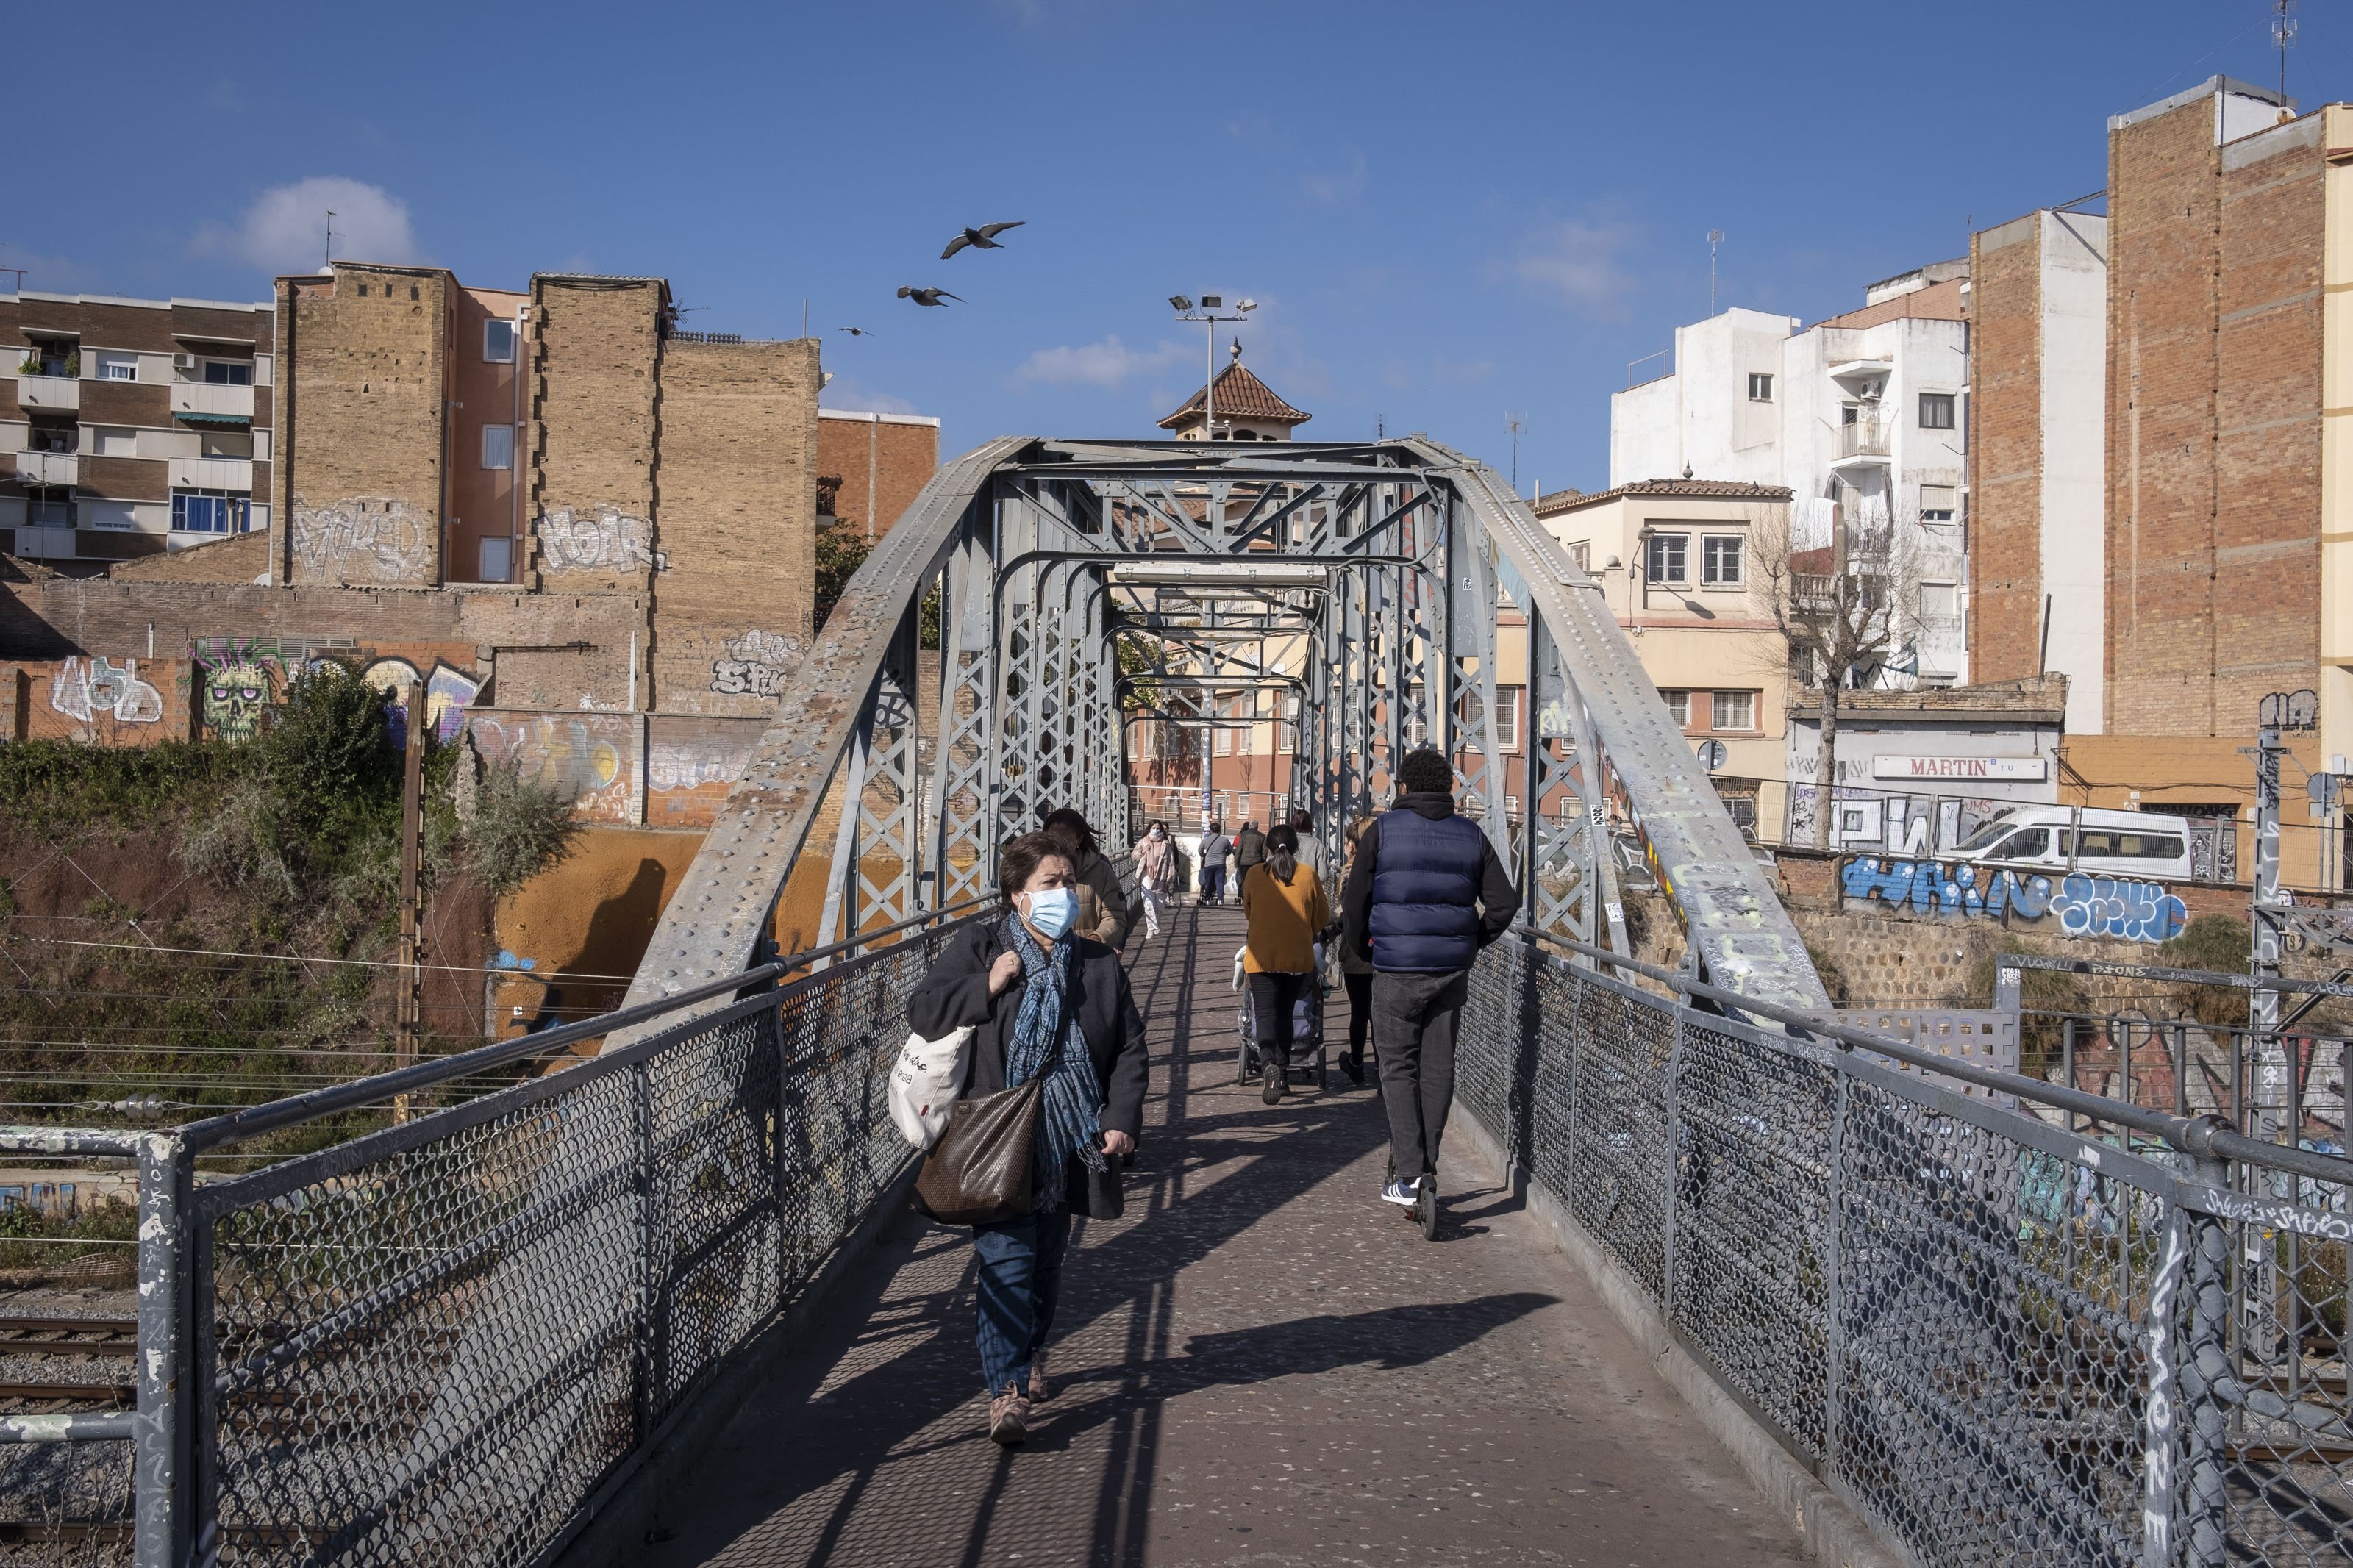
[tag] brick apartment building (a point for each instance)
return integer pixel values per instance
(131, 426)
(2225, 523)
(872, 466)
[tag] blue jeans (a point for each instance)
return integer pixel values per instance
(1020, 1284)
(1213, 885)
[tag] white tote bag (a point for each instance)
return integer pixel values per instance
(924, 1082)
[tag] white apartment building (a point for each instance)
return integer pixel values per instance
(1863, 417)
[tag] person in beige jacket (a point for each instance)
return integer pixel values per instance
(1104, 913)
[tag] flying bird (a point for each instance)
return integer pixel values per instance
(981, 238)
(857, 332)
(928, 296)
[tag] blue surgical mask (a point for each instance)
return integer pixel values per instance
(1051, 911)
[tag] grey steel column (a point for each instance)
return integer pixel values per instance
(160, 1447)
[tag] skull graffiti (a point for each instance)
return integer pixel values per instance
(235, 698)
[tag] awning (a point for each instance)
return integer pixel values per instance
(212, 418)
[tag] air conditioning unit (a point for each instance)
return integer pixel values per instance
(184, 361)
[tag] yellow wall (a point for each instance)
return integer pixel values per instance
(590, 914)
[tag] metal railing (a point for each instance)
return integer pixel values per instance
(1997, 1340)
(449, 1338)
(1865, 438)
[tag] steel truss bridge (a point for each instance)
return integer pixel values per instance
(1364, 579)
(1984, 1318)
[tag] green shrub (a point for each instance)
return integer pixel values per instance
(519, 828)
(2220, 944)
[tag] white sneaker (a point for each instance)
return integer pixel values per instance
(1403, 1194)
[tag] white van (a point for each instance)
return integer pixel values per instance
(2143, 845)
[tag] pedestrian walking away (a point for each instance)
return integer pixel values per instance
(1215, 847)
(1285, 906)
(1044, 1002)
(1311, 849)
(1426, 892)
(1104, 913)
(1249, 849)
(1357, 975)
(1155, 874)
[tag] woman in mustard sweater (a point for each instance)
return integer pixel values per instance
(1285, 904)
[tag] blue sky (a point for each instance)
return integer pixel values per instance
(1449, 212)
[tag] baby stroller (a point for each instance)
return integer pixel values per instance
(1307, 1029)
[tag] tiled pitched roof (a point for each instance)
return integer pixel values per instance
(1695, 490)
(1240, 395)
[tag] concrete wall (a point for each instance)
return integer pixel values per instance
(1702, 415)
(359, 490)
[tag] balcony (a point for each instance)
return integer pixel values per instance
(33, 543)
(1866, 440)
(212, 474)
(62, 468)
(62, 393)
(210, 397)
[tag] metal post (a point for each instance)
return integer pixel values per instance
(2264, 1017)
(163, 1500)
(411, 1004)
(2200, 1501)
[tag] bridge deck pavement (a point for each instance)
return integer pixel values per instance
(1259, 1364)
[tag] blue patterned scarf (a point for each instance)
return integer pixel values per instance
(1047, 1043)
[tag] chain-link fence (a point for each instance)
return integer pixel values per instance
(444, 1339)
(1999, 1341)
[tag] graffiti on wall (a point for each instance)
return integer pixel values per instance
(236, 696)
(362, 539)
(605, 539)
(2085, 905)
(692, 764)
(447, 694)
(756, 664)
(240, 679)
(102, 689)
(588, 758)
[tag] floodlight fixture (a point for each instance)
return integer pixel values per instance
(1213, 301)
(1180, 302)
(1247, 305)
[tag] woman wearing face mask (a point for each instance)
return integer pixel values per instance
(1155, 874)
(1044, 1002)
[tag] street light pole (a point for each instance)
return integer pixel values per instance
(1206, 314)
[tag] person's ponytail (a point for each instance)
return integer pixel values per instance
(1282, 855)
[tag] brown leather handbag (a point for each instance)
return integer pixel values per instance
(982, 1169)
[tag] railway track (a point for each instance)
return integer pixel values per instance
(82, 1339)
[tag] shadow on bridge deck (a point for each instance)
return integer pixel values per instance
(1261, 1363)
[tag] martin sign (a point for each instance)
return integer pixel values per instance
(1962, 770)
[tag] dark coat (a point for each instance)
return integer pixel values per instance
(954, 993)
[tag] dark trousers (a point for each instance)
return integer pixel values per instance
(1360, 1011)
(1213, 884)
(1019, 1285)
(1274, 997)
(1413, 1029)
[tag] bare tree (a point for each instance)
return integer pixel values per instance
(1847, 611)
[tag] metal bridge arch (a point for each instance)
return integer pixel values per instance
(1378, 568)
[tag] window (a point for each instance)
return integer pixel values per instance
(2026, 844)
(1850, 414)
(498, 343)
(1742, 808)
(498, 560)
(1760, 388)
(1666, 560)
(1720, 560)
(1936, 503)
(2114, 845)
(1679, 704)
(208, 511)
(1581, 553)
(1507, 718)
(1939, 599)
(117, 367)
(234, 444)
(228, 373)
(115, 441)
(1733, 711)
(497, 446)
(1935, 411)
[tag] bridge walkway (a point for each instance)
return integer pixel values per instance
(1258, 1364)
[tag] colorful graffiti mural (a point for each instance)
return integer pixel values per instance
(2086, 905)
(236, 696)
(447, 694)
(239, 678)
(592, 759)
(100, 689)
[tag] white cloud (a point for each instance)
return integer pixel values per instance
(285, 229)
(842, 392)
(1347, 185)
(1579, 262)
(1106, 362)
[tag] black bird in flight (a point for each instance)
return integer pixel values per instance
(927, 296)
(854, 332)
(981, 238)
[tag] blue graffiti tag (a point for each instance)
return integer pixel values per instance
(1957, 889)
(2110, 906)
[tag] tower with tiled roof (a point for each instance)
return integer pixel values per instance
(1245, 408)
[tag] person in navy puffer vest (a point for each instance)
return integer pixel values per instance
(1425, 893)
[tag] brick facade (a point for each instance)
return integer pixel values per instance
(594, 406)
(358, 490)
(896, 453)
(2006, 451)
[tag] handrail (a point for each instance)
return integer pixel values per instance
(2199, 1137)
(236, 1126)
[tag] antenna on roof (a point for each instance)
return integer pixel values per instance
(329, 258)
(2283, 37)
(1515, 423)
(1714, 238)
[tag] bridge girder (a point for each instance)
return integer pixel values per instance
(1005, 562)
